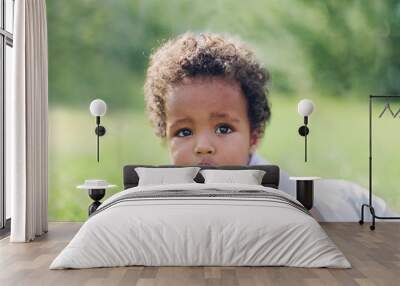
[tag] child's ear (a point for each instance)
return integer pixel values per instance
(254, 141)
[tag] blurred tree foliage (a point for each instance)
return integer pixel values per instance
(100, 48)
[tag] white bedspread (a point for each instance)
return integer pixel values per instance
(181, 231)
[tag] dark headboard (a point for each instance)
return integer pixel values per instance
(270, 179)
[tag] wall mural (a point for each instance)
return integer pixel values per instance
(102, 50)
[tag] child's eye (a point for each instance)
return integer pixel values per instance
(183, 132)
(224, 129)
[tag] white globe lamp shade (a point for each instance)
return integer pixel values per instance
(98, 107)
(305, 107)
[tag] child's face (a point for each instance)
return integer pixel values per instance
(207, 123)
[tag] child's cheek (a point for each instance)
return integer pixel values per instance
(180, 150)
(238, 139)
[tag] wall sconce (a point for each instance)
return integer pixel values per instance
(305, 108)
(98, 108)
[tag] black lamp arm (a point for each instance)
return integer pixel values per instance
(100, 131)
(303, 131)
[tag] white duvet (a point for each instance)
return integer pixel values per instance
(183, 231)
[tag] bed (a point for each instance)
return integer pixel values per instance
(201, 224)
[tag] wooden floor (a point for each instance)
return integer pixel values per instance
(374, 255)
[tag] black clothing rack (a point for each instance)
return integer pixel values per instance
(369, 205)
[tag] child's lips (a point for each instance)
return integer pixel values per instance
(206, 163)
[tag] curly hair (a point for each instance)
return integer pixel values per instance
(206, 54)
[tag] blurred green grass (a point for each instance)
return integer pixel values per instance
(338, 148)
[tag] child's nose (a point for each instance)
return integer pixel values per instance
(204, 146)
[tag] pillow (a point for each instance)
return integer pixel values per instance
(161, 176)
(249, 177)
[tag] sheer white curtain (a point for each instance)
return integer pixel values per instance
(26, 119)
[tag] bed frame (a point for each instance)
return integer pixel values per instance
(270, 179)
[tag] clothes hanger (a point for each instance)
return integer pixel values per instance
(387, 107)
